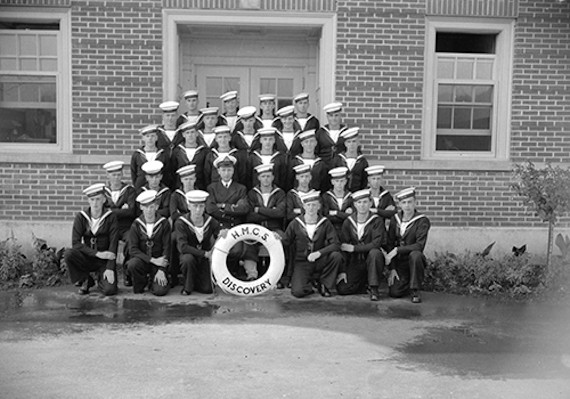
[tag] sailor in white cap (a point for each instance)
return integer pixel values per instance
(192, 151)
(362, 236)
(196, 233)
(304, 118)
(351, 158)
(168, 127)
(267, 109)
(207, 122)
(268, 204)
(244, 132)
(288, 130)
(231, 106)
(149, 247)
(337, 202)
(153, 174)
(192, 104)
(302, 186)
(221, 147)
(328, 136)
(121, 201)
(319, 168)
(407, 237)
(267, 153)
(315, 249)
(382, 202)
(94, 240)
(148, 152)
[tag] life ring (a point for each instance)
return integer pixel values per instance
(250, 232)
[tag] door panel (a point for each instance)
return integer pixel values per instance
(283, 82)
(213, 81)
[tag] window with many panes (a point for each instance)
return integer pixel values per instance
(467, 95)
(34, 78)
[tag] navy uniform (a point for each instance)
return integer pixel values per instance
(153, 174)
(329, 139)
(221, 147)
(354, 161)
(145, 154)
(287, 141)
(305, 120)
(206, 123)
(94, 245)
(121, 201)
(294, 201)
(267, 114)
(243, 138)
(406, 242)
(361, 242)
(319, 169)
(195, 242)
(191, 154)
(193, 113)
(149, 247)
(229, 117)
(168, 138)
(263, 157)
(382, 202)
(179, 206)
(227, 203)
(337, 206)
(308, 239)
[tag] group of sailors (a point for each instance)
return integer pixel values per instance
(201, 173)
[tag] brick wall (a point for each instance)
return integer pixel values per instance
(117, 85)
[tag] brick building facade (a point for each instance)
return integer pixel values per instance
(386, 61)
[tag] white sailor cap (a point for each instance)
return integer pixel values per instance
(307, 134)
(188, 125)
(209, 111)
(349, 133)
(224, 160)
(332, 107)
(149, 129)
(190, 94)
(405, 193)
(339, 172)
(267, 167)
(186, 170)
(147, 197)
(303, 168)
(221, 129)
(360, 194)
(267, 131)
(169, 106)
(286, 111)
(300, 96)
(230, 95)
(375, 170)
(266, 97)
(152, 167)
(197, 196)
(311, 196)
(246, 112)
(94, 189)
(113, 166)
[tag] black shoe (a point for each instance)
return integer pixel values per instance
(324, 291)
(127, 280)
(374, 294)
(184, 292)
(280, 285)
(87, 284)
(416, 298)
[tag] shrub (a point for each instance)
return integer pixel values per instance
(13, 263)
(513, 276)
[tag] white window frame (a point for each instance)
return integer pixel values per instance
(501, 115)
(63, 142)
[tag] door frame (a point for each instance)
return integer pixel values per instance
(326, 83)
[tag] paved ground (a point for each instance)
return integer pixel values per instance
(56, 344)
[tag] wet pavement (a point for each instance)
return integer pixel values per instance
(459, 337)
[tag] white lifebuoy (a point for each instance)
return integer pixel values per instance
(247, 232)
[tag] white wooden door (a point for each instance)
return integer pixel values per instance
(284, 82)
(213, 81)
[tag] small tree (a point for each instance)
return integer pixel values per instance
(546, 192)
